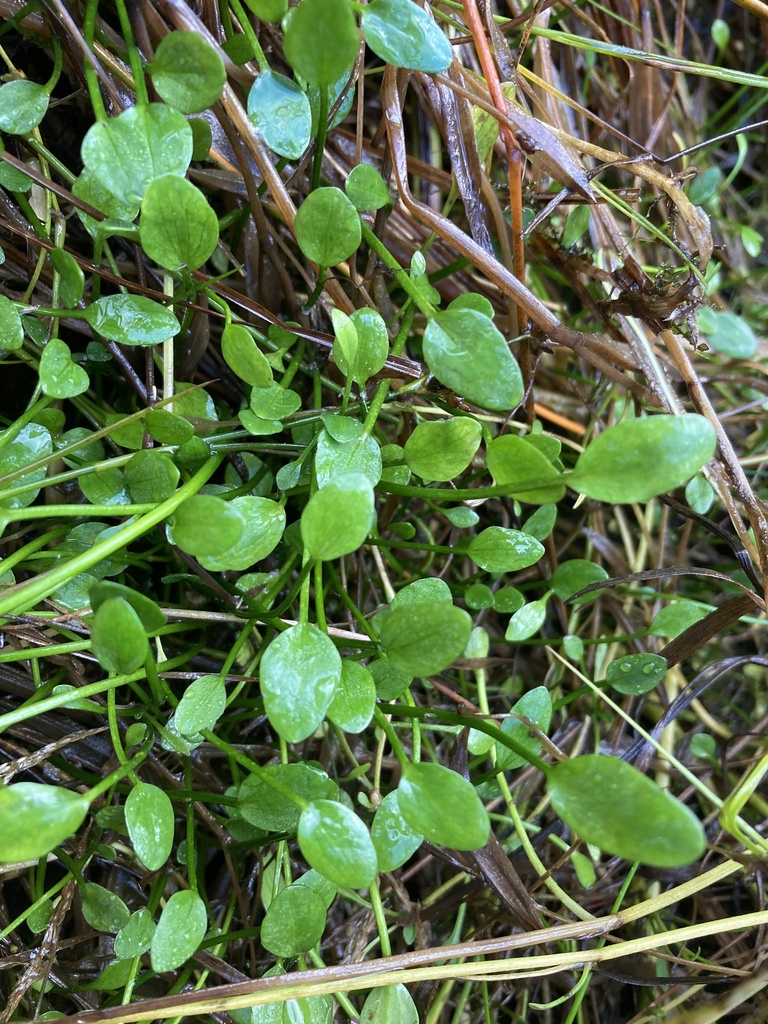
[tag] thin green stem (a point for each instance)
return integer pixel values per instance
(401, 276)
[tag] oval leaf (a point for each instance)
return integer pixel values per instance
(206, 525)
(201, 705)
(34, 818)
(390, 1005)
(336, 843)
(60, 377)
(443, 450)
(321, 41)
(404, 35)
(327, 225)
(536, 707)
(102, 909)
(22, 106)
(132, 320)
(178, 227)
(187, 72)
(424, 639)
(527, 472)
(299, 672)
(118, 639)
(338, 518)
(636, 673)
(179, 931)
(150, 821)
(262, 805)
(264, 524)
(294, 922)
(281, 114)
(500, 549)
(393, 838)
(354, 698)
(443, 806)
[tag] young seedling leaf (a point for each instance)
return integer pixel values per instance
(536, 707)
(34, 818)
(179, 931)
(443, 806)
(281, 114)
(361, 345)
(335, 842)
(526, 621)
(178, 228)
(102, 909)
(245, 358)
(424, 639)
(187, 72)
(274, 402)
(639, 459)
(404, 35)
(574, 575)
(392, 1004)
(23, 105)
(294, 921)
(338, 518)
(393, 838)
(367, 189)
(500, 549)
(135, 936)
(442, 450)
(468, 354)
(351, 707)
(118, 638)
(207, 526)
(201, 706)
(614, 806)
(527, 472)
(60, 376)
(299, 673)
(321, 41)
(635, 674)
(327, 225)
(71, 276)
(131, 320)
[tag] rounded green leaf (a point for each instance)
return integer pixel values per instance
(526, 621)
(60, 377)
(22, 106)
(404, 35)
(389, 1005)
(639, 459)
(152, 618)
(443, 806)
(281, 114)
(700, 494)
(118, 638)
(127, 152)
(178, 227)
(187, 72)
(424, 639)
(636, 673)
(151, 476)
(71, 276)
(11, 330)
(244, 357)
(614, 806)
(135, 936)
(299, 672)
(179, 931)
(727, 333)
(335, 459)
(354, 698)
(362, 343)
(468, 354)
(294, 922)
(88, 188)
(267, 10)
(367, 189)
(574, 575)
(528, 473)
(338, 518)
(393, 838)
(430, 590)
(264, 806)
(536, 707)
(274, 402)
(678, 616)
(335, 842)
(264, 524)
(321, 41)
(168, 428)
(34, 818)
(500, 549)
(207, 526)
(442, 450)
(132, 320)
(28, 445)
(327, 225)
(201, 706)
(102, 909)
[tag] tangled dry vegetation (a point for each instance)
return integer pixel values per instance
(619, 249)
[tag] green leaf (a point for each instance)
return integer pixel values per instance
(245, 358)
(468, 354)
(151, 476)
(11, 329)
(574, 575)
(367, 189)
(443, 806)
(135, 936)
(526, 621)
(576, 224)
(264, 524)
(639, 459)
(132, 320)
(274, 402)
(500, 549)
(321, 41)
(678, 616)
(127, 152)
(636, 673)
(335, 459)
(23, 105)
(536, 706)
(390, 680)
(327, 225)
(528, 473)
(727, 333)
(299, 672)
(442, 450)
(207, 526)
(267, 10)
(178, 227)
(699, 494)
(119, 212)
(335, 842)
(430, 590)
(71, 277)
(294, 922)
(351, 707)
(187, 72)
(34, 818)
(168, 428)
(118, 638)
(60, 377)
(281, 114)
(393, 838)
(29, 444)
(15, 181)
(424, 639)
(404, 35)
(362, 343)
(179, 931)
(102, 909)
(152, 618)
(201, 706)
(262, 805)
(389, 1005)
(612, 805)
(337, 519)
(541, 522)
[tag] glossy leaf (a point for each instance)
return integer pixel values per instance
(168, 428)
(699, 494)
(443, 449)
(102, 909)
(393, 838)
(327, 225)
(299, 673)
(131, 320)
(727, 333)
(151, 476)
(118, 639)
(443, 806)
(11, 330)
(500, 549)
(430, 590)
(135, 936)
(34, 818)
(677, 616)
(274, 402)
(391, 1004)
(614, 806)
(335, 459)
(351, 707)
(527, 472)
(536, 706)
(639, 459)
(574, 575)
(367, 189)
(321, 41)
(178, 228)
(335, 842)
(338, 518)
(268, 10)
(118, 212)
(526, 621)
(150, 821)
(281, 114)
(29, 444)
(264, 524)
(60, 376)
(207, 526)
(23, 105)
(187, 72)
(150, 615)
(71, 276)
(636, 673)
(468, 354)
(127, 152)
(179, 931)
(202, 704)
(424, 639)
(405, 36)
(362, 343)
(266, 807)
(243, 356)
(294, 922)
